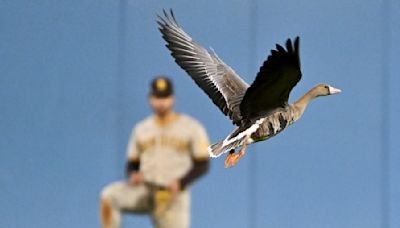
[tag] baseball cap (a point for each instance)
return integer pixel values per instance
(161, 86)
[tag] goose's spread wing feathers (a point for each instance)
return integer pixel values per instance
(276, 78)
(225, 88)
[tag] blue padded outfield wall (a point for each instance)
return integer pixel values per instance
(73, 82)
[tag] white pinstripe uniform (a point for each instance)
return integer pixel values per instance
(166, 152)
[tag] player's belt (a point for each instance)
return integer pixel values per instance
(156, 187)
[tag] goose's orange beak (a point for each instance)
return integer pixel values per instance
(333, 90)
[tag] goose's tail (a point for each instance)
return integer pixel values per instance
(221, 147)
(215, 150)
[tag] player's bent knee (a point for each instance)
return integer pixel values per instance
(107, 193)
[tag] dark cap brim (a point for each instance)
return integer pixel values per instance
(161, 94)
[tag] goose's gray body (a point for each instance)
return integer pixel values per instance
(259, 130)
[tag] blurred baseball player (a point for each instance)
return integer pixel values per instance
(166, 153)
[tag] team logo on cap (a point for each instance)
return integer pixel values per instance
(161, 84)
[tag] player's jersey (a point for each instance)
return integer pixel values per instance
(166, 150)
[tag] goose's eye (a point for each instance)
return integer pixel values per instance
(326, 87)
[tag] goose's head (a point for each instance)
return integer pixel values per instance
(324, 90)
(317, 91)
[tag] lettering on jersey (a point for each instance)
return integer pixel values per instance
(146, 144)
(177, 144)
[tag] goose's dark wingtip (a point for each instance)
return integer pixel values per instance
(167, 17)
(295, 40)
(167, 12)
(279, 48)
(296, 44)
(159, 18)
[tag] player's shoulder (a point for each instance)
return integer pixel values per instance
(144, 123)
(190, 121)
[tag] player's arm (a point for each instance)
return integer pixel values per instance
(199, 168)
(132, 165)
(200, 161)
(132, 169)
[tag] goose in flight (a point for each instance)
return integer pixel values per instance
(259, 111)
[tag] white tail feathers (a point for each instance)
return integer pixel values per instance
(221, 147)
(215, 150)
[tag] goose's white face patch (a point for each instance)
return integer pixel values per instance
(333, 90)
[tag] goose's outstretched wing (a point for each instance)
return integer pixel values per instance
(225, 88)
(276, 78)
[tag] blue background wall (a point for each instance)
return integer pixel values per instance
(74, 78)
